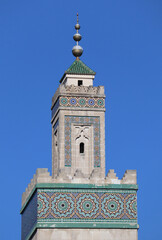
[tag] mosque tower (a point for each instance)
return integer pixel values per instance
(78, 202)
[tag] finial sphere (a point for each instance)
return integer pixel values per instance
(77, 51)
(77, 37)
(77, 26)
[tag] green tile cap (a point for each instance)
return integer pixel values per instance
(78, 67)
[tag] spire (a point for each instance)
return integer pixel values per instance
(77, 50)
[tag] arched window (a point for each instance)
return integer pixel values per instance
(81, 147)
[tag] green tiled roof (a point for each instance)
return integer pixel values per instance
(78, 67)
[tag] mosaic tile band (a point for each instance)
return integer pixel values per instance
(86, 206)
(82, 102)
(95, 121)
(78, 102)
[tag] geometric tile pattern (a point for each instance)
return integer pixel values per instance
(95, 121)
(78, 102)
(87, 205)
(82, 102)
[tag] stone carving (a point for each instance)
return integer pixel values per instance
(78, 90)
(95, 122)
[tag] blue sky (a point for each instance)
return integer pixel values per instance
(122, 43)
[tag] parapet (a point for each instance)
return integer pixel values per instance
(111, 177)
(130, 177)
(78, 90)
(43, 176)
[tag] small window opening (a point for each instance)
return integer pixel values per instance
(81, 147)
(80, 82)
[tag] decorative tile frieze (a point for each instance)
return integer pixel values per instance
(86, 91)
(82, 102)
(95, 121)
(81, 205)
(78, 102)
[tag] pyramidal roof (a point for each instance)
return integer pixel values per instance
(78, 67)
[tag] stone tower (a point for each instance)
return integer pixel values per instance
(78, 202)
(78, 109)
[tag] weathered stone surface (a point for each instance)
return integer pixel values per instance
(130, 177)
(86, 234)
(64, 176)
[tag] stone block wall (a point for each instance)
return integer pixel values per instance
(51, 205)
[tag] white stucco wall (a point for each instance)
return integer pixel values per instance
(73, 80)
(85, 234)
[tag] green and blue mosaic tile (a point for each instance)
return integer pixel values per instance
(86, 205)
(78, 102)
(78, 206)
(95, 121)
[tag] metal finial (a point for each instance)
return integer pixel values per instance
(77, 18)
(77, 50)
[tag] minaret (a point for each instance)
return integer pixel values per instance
(78, 202)
(78, 122)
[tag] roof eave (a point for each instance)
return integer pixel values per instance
(76, 74)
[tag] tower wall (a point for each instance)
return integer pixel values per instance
(74, 210)
(86, 234)
(78, 116)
